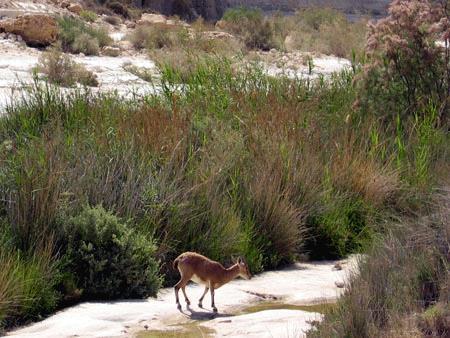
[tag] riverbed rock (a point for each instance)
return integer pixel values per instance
(26, 26)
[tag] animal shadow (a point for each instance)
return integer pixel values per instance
(202, 315)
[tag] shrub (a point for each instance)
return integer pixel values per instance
(406, 60)
(157, 36)
(86, 44)
(88, 15)
(60, 69)
(141, 72)
(326, 31)
(78, 37)
(256, 31)
(341, 228)
(108, 259)
(118, 8)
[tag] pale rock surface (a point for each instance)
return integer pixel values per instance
(17, 62)
(299, 284)
(264, 324)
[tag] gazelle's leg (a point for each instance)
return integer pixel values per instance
(211, 288)
(180, 285)
(177, 288)
(200, 301)
(185, 296)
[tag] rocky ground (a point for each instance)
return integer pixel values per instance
(18, 59)
(274, 304)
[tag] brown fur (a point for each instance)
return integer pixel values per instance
(202, 270)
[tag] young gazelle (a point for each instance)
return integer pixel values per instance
(211, 274)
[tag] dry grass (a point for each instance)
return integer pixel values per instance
(59, 68)
(401, 286)
(158, 36)
(141, 72)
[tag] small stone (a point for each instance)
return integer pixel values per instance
(65, 4)
(337, 266)
(339, 284)
(146, 326)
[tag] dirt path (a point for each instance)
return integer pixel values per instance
(273, 304)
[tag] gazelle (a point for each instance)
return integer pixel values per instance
(202, 270)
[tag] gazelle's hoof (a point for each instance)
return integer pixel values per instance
(200, 305)
(214, 309)
(188, 302)
(179, 307)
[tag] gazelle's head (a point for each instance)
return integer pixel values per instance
(244, 271)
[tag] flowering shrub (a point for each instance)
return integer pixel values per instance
(408, 59)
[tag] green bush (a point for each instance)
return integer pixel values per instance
(158, 36)
(88, 16)
(339, 229)
(78, 37)
(86, 44)
(256, 31)
(118, 8)
(108, 259)
(405, 62)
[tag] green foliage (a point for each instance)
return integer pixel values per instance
(118, 8)
(405, 272)
(405, 61)
(84, 43)
(158, 36)
(327, 31)
(88, 16)
(339, 229)
(27, 282)
(108, 259)
(223, 160)
(257, 32)
(78, 37)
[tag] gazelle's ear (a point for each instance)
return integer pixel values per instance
(239, 260)
(233, 258)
